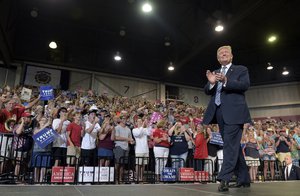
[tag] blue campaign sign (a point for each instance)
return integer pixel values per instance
(168, 174)
(46, 93)
(216, 138)
(44, 137)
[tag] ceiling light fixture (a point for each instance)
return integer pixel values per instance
(272, 39)
(53, 45)
(122, 31)
(117, 57)
(270, 66)
(34, 12)
(167, 41)
(219, 28)
(171, 67)
(147, 7)
(285, 71)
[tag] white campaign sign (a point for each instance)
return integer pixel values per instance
(26, 94)
(96, 174)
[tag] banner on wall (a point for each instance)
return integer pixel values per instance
(40, 76)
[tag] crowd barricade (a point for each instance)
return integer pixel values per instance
(39, 168)
(137, 170)
(41, 165)
(14, 158)
(271, 170)
(95, 175)
(265, 170)
(6, 158)
(205, 169)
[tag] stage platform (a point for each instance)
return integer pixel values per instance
(291, 188)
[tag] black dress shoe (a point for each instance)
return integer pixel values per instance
(239, 185)
(223, 186)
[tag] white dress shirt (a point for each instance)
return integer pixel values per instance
(226, 69)
(289, 171)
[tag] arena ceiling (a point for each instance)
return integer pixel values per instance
(89, 32)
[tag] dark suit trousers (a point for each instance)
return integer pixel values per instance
(233, 161)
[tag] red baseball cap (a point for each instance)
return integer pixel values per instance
(26, 114)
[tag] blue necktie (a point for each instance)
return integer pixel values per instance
(219, 88)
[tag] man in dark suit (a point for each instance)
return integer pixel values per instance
(228, 108)
(290, 171)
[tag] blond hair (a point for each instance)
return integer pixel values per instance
(227, 47)
(161, 124)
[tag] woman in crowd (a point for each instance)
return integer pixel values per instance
(212, 153)
(161, 147)
(252, 155)
(179, 144)
(201, 152)
(41, 157)
(106, 137)
(268, 155)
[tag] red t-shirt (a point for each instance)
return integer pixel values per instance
(158, 133)
(201, 151)
(184, 120)
(74, 131)
(5, 115)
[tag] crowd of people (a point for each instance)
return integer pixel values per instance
(98, 130)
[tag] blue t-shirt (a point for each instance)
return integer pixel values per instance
(179, 145)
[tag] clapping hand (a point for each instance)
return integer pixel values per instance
(211, 76)
(96, 119)
(220, 77)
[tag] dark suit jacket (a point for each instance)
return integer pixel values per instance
(294, 174)
(233, 103)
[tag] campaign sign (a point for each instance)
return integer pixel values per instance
(46, 93)
(197, 121)
(168, 174)
(201, 176)
(61, 174)
(44, 137)
(26, 94)
(156, 116)
(96, 174)
(216, 138)
(186, 174)
(106, 174)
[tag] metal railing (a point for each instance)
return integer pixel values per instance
(17, 164)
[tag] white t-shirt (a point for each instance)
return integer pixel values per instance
(141, 141)
(61, 140)
(122, 132)
(89, 139)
